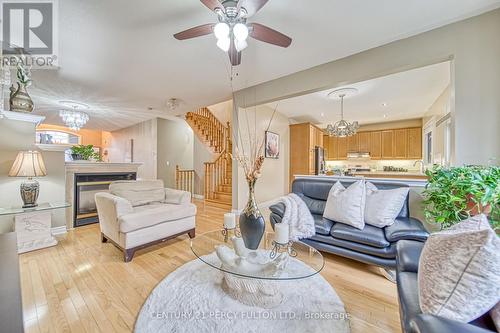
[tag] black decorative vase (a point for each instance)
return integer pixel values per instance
(252, 224)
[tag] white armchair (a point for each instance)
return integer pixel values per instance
(137, 214)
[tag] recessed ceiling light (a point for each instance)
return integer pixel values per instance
(74, 105)
(385, 115)
(322, 114)
(384, 104)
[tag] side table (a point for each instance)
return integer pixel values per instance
(33, 225)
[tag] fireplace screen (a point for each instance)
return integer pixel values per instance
(87, 185)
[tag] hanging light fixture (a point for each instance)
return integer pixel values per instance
(342, 128)
(74, 119)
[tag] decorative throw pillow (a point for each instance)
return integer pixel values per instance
(383, 206)
(347, 205)
(459, 271)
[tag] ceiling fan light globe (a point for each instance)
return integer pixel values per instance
(240, 32)
(240, 45)
(223, 44)
(221, 30)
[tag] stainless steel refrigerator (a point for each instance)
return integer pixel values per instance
(319, 161)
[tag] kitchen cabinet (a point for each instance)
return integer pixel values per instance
(400, 149)
(364, 142)
(415, 143)
(341, 148)
(352, 144)
(303, 139)
(388, 144)
(376, 145)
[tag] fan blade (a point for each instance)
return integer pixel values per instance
(251, 6)
(268, 35)
(198, 31)
(212, 4)
(234, 55)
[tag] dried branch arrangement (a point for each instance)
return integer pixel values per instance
(252, 158)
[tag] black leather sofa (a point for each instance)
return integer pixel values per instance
(412, 319)
(371, 245)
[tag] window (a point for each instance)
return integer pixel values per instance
(447, 142)
(56, 137)
(428, 148)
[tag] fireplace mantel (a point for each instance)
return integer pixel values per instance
(75, 167)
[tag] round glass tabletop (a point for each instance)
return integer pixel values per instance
(215, 250)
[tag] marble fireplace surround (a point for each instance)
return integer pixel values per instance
(73, 168)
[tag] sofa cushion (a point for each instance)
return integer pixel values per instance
(406, 228)
(347, 205)
(386, 252)
(459, 271)
(370, 235)
(383, 206)
(139, 192)
(149, 215)
(315, 206)
(323, 226)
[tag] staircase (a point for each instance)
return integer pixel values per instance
(218, 173)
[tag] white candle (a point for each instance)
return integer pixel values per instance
(282, 231)
(229, 221)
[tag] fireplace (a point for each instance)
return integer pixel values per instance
(86, 186)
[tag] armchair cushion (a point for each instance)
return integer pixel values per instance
(278, 209)
(149, 215)
(113, 206)
(177, 197)
(407, 228)
(139, 192)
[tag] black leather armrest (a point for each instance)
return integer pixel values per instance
(406, 228)
(278, 208)
(425, 323)
(408, 255)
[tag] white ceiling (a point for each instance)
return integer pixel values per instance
(119, 56)
(405, 95)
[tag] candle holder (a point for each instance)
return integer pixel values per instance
(230, 232)
(282, 248)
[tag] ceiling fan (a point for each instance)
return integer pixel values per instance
(232, 30)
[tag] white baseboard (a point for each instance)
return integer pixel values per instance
(198, 196)
(59, 230)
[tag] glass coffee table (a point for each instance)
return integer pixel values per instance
(253, 277)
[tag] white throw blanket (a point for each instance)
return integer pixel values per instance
(298, 216)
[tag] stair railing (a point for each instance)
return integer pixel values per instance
(216, 174)
(184, 179)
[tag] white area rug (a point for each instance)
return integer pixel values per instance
(191, 299)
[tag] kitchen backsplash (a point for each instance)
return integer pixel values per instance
(375, 164)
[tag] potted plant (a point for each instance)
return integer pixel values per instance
(84, 152)
(456, 193)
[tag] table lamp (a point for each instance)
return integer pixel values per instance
(28, 164)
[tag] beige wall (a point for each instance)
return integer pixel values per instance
(201, 154)
(144, 134)
(222, 111)
(473, 45)
(439, 109)
(274, 180)
(391, 125)
(175, 147)
(88, 137)
(16, 136)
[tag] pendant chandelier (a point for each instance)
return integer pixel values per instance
(74, 119)
(342, 128)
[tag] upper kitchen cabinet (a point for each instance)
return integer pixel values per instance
(415, 143)
(388, 144)
(376, 145)
(364, 139)
(400, 143)
(353, 144)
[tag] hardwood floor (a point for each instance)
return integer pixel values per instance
(82, 285)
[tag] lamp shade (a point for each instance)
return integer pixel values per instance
(28, 164)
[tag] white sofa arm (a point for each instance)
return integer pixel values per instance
(177, 197)
(109, 209)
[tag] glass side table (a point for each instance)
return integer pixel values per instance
(33, 225)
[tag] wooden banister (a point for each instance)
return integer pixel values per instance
(184, 180)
